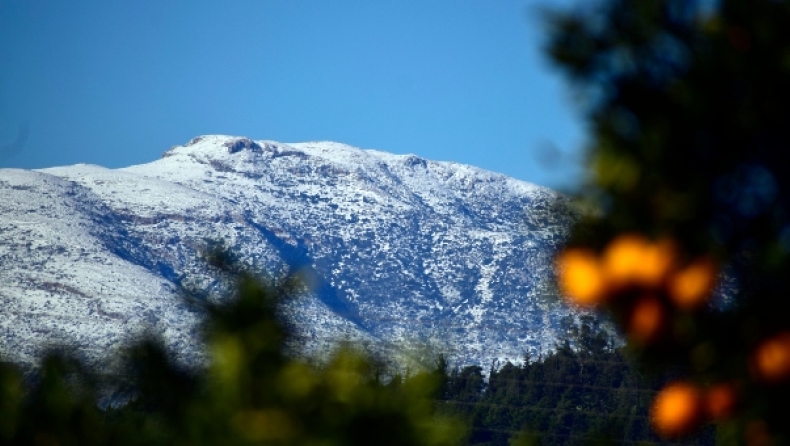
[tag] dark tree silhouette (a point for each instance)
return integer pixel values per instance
(688, 104)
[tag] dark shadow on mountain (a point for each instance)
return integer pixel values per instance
(298, 260)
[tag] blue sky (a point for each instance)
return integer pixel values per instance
(117, 83)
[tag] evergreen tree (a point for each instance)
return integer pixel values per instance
(589, 394)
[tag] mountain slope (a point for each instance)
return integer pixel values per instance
(399, 249)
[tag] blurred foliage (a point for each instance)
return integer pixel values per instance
(250, 392)
(688, 104)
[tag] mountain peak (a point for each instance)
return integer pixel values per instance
(208, 143)
(400, 249)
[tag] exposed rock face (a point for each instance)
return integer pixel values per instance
(399, 249)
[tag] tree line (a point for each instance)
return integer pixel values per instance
(585, 391)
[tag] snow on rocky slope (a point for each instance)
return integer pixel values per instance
(402, 250)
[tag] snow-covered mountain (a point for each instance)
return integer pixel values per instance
(403, 251)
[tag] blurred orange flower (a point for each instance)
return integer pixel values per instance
(647, 318)
(720, 400)
(690, 287)
(633, 259)
(756, 434)
(676, 409)
(772, 358)
(580, 276)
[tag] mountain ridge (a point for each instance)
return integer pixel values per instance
(402, 248)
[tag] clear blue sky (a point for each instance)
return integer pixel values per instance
(117, 83)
